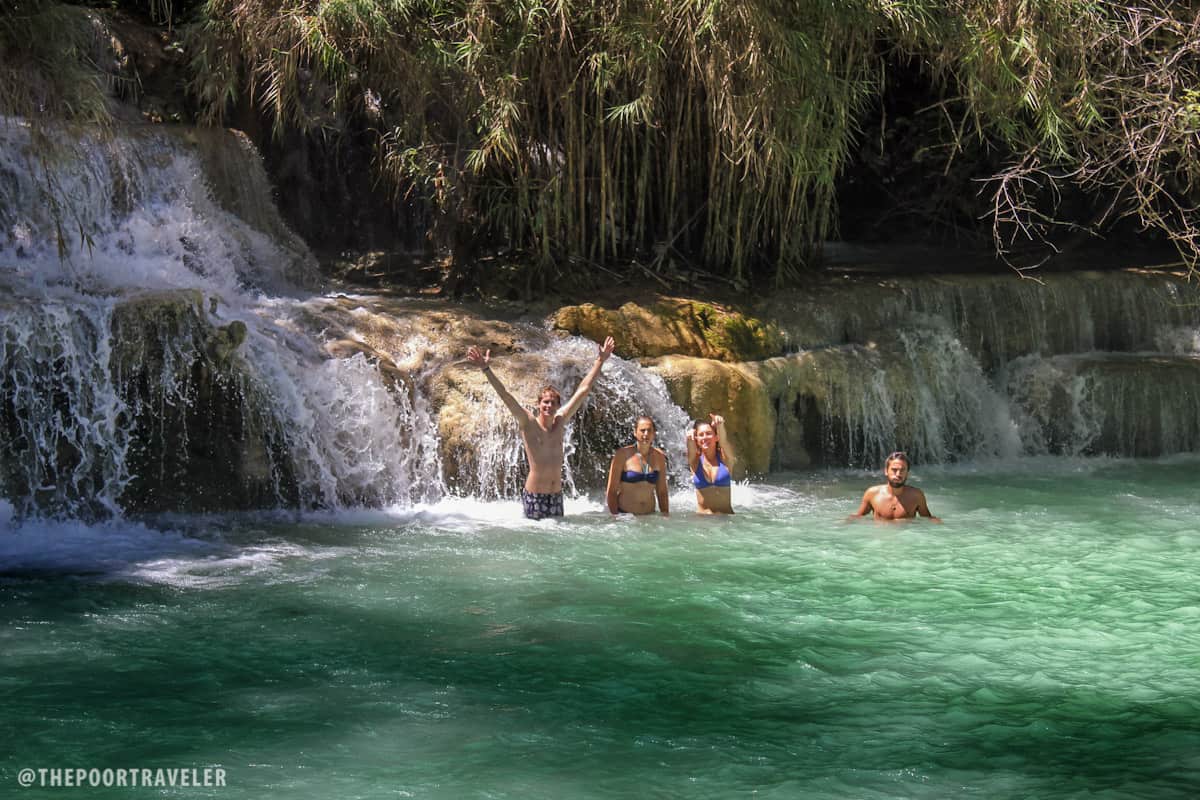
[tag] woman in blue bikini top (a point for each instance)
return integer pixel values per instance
(710, 454)
(637, 476)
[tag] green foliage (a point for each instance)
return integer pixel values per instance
(682, 134)
(47, 64)
(736, 336)
(1099, 95)
(705, 133)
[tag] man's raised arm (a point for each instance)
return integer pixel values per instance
(585, 386)
(482, 359)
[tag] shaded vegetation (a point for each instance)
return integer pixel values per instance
(705, 135)
(47, 63)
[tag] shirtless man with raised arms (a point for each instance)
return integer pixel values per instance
(543, 433)
(895, 499)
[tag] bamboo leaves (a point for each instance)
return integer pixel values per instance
(710, 133)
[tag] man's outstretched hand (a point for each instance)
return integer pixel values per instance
(479, 358)
(607, 348)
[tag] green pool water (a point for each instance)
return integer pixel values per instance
(1043, 643)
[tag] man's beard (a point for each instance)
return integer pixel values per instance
(895, 484)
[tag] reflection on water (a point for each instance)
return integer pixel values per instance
(1041, 643)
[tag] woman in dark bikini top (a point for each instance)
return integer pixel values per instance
(710, 455)
(637, 476)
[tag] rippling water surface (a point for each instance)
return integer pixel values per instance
(1044, 642)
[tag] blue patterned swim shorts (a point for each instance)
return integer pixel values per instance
(538, 506)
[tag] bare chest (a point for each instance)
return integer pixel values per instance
(539, 439)
(892, 506)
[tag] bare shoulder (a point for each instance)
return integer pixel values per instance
(872, 492)
(922, 502)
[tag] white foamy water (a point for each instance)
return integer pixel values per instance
(1040, 643)
(88, 228)
(106, 220)
(138, 210)
(187, 217)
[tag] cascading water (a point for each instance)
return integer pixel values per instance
(137, 209)
(1054, 407)
(922, 390)
(1110, 403)
(953, 410)
(156, 354)
(968, 368)
(63, 438)
(625, 393)
(998, 318)
(142, 365)
(493, 466)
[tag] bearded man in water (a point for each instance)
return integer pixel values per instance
(894, 500)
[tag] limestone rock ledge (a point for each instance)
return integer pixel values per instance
(768, 405)
(675, 326)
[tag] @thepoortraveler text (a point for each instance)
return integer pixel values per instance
(154, 777)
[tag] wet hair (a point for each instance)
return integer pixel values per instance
(551, 391)
(638, 421)
(898, 455)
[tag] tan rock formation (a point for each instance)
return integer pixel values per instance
(674, 326)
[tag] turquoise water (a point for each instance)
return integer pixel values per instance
(1044, 642)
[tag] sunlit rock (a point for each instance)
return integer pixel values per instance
(674, 326)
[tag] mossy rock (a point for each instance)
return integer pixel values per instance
(675, 326)
(202, 438)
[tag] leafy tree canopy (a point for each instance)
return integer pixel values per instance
(709, 132)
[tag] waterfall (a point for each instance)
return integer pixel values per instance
(153, 354)
(1109, 403)
(63, 437)
(997, 318)
(142, 208)
(162, 349)
(489, 461)
(970, 367)
(920, 391)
